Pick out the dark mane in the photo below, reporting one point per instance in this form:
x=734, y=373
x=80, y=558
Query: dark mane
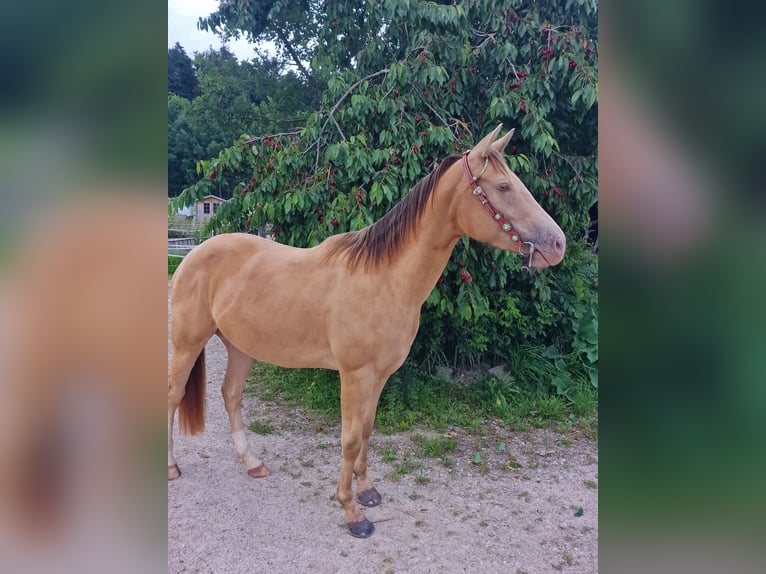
x=381, y=241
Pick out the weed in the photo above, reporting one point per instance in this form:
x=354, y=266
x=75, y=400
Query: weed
x=404, y=468
x=434, y=447
x=511, y=463
x=421, y=478
x=590, y=484
x=262, y=428
x=401, y=470
x=387, y=455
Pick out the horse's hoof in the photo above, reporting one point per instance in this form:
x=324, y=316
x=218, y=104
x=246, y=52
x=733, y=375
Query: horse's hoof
x=369, y=498
x=173, y=471
x=259, y=471
x=361, y=529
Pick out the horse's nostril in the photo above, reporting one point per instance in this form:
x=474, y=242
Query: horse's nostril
x=559, y=245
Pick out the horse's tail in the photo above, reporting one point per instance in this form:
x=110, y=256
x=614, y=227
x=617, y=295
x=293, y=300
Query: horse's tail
x=191, y=411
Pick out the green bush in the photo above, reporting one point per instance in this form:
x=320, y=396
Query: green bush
x=417, y=82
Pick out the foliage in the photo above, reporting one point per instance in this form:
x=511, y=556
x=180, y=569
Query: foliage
x=404, y=84
x=173, y=263
x=182, y=79
x=290, y=24
x=232, y=97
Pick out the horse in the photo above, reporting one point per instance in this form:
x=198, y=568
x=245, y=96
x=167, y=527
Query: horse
x=351, y=303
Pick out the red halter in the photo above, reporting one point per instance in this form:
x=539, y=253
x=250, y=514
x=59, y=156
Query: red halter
x=478, y=192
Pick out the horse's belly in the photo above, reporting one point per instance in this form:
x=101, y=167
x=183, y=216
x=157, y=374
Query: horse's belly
x=278, y=346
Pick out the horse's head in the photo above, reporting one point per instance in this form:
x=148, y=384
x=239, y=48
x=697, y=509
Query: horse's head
x=500, y=210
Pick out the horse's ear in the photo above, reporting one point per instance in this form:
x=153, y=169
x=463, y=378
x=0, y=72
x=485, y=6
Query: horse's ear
x=500, y=144
x=483, y=146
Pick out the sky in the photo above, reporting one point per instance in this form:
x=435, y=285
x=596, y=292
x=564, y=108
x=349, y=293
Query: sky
x=182, y=28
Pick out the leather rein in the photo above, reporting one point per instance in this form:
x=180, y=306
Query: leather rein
x=478, y=192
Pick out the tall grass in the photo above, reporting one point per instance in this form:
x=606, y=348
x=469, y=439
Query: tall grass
x=413, y=397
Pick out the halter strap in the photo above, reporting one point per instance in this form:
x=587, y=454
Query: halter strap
x=506, y=226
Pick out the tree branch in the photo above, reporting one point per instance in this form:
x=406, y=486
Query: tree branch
x=293, y=54
x=331, y=116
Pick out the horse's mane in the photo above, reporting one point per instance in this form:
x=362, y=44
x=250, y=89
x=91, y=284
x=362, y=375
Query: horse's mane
x=382, y=241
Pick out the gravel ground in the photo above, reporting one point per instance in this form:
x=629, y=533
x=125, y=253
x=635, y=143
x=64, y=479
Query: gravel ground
x=517, y=513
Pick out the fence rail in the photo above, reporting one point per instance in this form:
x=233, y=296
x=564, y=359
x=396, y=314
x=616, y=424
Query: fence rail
x=180, y=246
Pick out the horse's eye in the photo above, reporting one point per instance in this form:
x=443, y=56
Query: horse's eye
x=503, y=187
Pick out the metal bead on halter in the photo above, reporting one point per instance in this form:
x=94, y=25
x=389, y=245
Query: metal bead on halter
x=515, y=237
x=498, y=217
x=506, y=227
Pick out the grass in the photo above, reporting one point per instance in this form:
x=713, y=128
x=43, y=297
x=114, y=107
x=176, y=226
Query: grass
x=173, y=263
x=262, y=428
x=413, y=399
x=434, y=447
x=387, y=455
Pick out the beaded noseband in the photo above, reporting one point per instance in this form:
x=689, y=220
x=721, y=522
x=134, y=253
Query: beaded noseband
x=478, y=192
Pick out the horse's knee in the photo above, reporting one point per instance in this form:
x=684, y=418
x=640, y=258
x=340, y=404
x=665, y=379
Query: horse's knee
x=344, y=496
x=351, y=445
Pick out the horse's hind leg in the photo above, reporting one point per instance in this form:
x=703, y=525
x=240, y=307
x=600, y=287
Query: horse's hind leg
x=237, y=368
x=182, y=362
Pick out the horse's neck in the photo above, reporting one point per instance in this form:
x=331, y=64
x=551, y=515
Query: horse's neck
x=426, y=253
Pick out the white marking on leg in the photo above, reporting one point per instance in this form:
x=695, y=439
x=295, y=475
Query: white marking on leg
x=171, y=458
x=240, y=442
x=243, y=449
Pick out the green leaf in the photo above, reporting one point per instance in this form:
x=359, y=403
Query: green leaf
x=476, y=458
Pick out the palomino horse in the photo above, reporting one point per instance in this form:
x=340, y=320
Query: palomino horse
x=351, y=304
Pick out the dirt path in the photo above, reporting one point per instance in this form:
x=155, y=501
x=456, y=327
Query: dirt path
x=433, y=519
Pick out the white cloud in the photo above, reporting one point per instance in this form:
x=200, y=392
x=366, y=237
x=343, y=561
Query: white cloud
x=182, y=28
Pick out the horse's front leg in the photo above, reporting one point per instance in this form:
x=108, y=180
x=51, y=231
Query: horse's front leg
x=366, y=493
x=358, y=398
